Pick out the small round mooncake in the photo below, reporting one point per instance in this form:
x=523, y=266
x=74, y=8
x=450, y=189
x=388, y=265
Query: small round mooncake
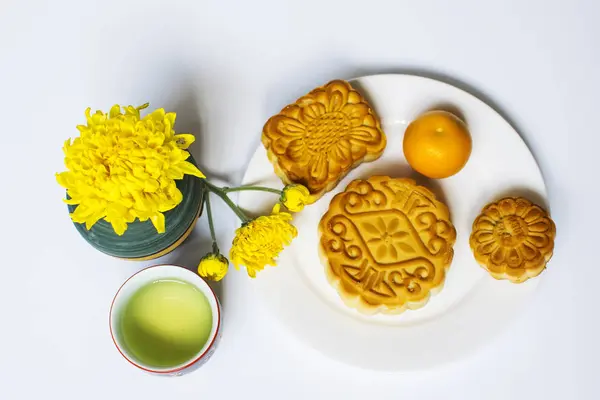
x=386, y=244
x=513, y=239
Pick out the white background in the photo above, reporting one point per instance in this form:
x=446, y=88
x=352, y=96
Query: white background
x=225, y=67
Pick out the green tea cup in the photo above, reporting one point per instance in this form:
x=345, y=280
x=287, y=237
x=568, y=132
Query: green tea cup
x=165, y=319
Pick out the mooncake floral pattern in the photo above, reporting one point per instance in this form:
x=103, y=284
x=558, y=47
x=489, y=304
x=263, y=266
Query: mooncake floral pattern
x=318, y=139
x=388, y=238
x=513, y=239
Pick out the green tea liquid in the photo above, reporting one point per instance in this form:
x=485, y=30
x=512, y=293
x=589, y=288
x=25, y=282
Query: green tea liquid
x=166, y=323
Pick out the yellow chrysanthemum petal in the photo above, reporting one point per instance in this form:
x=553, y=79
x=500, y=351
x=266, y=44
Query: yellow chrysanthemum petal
x=81, y=213
x=119, y=225
x=175, y=173
x=189, y=169
x=177, y=155
x=62, y=179
x=151, y=185
x=170, y=117
x=158, y=220
x=66, y=146
x=156, y=140
x=158, y=115
x=184, y=140
x=114, y=111
x=92, y=219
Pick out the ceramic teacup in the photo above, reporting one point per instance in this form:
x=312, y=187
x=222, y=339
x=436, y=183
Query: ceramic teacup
x=158, y=330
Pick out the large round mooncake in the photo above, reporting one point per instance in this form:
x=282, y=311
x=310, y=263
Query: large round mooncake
x=386, y=244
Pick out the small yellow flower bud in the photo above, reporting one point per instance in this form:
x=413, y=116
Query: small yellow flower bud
x=213, y=266
x=295, y=197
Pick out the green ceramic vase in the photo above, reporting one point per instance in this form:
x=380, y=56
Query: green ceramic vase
x=141, y=241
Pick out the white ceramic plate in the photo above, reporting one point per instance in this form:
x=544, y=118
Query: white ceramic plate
x=472, y=307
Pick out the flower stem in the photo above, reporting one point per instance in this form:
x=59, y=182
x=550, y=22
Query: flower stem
x=251, y=187
x=211, y=225
x=221, y=193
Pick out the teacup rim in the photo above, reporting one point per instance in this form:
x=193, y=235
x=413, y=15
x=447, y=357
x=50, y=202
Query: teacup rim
x=193, y=361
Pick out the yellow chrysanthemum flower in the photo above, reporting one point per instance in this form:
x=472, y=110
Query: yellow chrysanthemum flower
x=124, y=167
x=259, y=242
x=295, y=197
x=213, y=266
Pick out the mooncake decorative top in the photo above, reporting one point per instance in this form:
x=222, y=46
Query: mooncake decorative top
x=386, y=244
x=513, y=239
x=317, y=140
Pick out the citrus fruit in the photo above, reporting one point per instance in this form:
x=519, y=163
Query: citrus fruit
x=437, y=144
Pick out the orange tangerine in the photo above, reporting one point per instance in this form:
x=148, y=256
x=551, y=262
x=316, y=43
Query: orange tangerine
x=437, y=144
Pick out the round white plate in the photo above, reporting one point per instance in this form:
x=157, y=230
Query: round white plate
x=472, y=307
